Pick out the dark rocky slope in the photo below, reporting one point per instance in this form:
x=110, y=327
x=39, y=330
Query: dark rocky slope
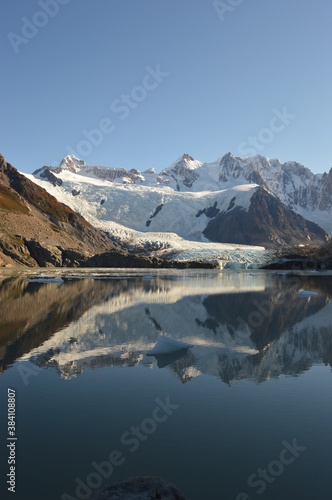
x=267, y=222
x=304, y=258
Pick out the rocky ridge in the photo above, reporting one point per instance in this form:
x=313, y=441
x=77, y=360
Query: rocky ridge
x=304, y=258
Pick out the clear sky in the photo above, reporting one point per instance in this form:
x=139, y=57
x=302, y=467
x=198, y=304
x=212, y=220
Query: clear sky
x=137, y=83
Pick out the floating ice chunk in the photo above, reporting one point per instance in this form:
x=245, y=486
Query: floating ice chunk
x=306, y=293
x=166, y=344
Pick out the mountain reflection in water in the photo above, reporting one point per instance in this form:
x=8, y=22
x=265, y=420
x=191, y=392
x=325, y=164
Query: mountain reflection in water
x=242, y=326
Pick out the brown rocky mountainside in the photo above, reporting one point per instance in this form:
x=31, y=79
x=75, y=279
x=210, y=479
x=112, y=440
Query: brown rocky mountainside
x=38, y=231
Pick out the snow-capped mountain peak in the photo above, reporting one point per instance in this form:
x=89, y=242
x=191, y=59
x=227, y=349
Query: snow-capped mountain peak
x=295, y=185
x=183, y=171
x=186, y=162
x=71, y=163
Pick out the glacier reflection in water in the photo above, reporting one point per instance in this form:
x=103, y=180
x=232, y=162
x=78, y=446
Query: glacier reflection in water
x=82, y=337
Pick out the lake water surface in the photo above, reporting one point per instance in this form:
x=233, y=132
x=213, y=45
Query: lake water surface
x=246, y=413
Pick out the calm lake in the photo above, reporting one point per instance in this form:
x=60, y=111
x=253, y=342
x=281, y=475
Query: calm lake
x=246, y=413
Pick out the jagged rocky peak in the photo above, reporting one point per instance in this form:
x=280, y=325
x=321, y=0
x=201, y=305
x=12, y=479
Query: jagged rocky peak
x=190, y=162
x=75, y=165
x=229, y=157
x=187, y=158
x=293, y=169
x=183, y=170
x=233, y=166
x=329, y=182
x=230, y=166
x=226, y=158
x=72, y=163
x=325, y=202
x=149, y=171
x=185, y=162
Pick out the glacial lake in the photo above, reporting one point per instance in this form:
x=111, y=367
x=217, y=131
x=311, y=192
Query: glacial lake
x=244, y=414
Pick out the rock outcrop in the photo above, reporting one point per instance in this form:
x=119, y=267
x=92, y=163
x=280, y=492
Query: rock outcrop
x=115, y=259
x=304, y=258
x=140, y=488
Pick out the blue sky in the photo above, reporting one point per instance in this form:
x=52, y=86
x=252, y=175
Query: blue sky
x=138, y=83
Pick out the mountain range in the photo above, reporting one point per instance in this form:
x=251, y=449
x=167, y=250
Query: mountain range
x=250, y=201
x=230, y=213
x=37, y=230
